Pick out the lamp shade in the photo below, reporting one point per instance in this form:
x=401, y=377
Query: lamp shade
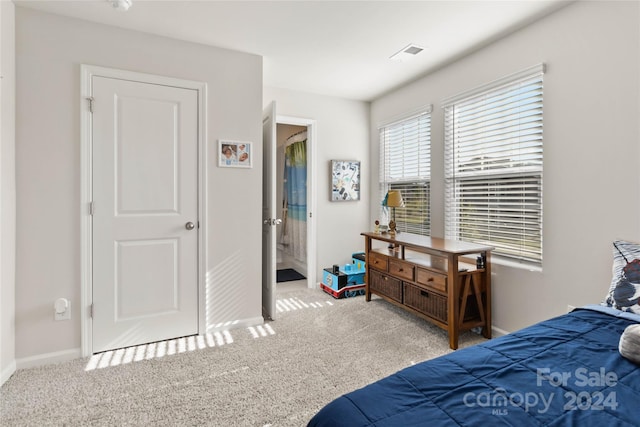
x=394, y=199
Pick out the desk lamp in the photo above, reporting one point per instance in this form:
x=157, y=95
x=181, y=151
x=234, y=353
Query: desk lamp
x=393, y=200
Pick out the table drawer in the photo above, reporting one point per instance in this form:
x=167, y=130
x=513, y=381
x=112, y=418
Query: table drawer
x=432, y=280
x=429, y=303
x=401, y=269
x=385, y=285
x=379, y=261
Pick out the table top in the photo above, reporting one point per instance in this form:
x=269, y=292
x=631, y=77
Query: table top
x=427, y=242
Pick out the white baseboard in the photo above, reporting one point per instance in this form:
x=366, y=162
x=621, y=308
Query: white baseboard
x=48, y=358
x=76, y=353
x=7, y=372
x=497, y=332
x=237, y=324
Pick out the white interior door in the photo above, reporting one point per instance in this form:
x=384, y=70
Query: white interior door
x=145, y=212
x=269, y=212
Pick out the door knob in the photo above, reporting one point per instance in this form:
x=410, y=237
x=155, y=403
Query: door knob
x=189, y=226
x=272, y=221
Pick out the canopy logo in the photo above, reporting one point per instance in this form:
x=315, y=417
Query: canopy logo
x=596, y=396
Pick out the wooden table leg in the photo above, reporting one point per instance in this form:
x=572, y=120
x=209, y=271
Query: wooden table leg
x=367, y=249
x=466, y=286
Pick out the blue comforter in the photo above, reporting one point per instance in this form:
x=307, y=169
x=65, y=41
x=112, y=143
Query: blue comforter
x=565, y=371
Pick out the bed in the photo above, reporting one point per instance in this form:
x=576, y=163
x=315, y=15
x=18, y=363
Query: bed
x=578, y=369
x=563, y=371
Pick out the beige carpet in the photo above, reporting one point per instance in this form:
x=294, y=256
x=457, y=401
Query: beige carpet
x=279, y=374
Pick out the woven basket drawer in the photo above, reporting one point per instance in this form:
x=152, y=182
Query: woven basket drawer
x=385, y=285
x=429, y=303
x=378, y=261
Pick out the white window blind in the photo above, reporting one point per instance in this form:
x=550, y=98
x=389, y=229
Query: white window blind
x=493, y=166
x=405, y=165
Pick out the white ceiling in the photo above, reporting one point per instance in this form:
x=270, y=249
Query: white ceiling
x=336, y=48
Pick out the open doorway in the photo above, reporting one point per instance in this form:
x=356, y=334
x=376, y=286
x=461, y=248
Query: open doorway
x=294, y=251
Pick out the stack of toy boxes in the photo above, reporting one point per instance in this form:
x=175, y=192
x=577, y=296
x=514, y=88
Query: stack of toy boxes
x=358, y=259
x=355, y=270
x=348, y=277
x=333, y=279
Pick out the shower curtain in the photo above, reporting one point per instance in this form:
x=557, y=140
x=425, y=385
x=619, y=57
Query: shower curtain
x=294, y=229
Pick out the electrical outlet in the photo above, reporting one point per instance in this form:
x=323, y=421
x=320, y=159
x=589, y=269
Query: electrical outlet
x=65, y=315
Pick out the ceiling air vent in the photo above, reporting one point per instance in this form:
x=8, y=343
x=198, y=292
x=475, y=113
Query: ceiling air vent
x=406, y=53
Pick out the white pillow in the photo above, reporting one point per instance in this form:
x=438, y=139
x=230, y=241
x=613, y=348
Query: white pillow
x=630, y=343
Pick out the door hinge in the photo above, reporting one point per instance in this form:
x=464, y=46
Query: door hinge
x=91, y=208
x=90, y=99
x=91, y=310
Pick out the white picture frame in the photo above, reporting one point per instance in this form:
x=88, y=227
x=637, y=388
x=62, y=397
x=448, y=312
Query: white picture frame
x=235, y=154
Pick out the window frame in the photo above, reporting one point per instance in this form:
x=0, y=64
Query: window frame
x=503, y=159
x=414, y=175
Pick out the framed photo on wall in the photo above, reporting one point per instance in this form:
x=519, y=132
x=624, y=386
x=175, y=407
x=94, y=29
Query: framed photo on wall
x=234, y=154
x=345, y=180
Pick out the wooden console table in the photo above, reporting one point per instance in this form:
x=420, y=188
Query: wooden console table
x=436, y=279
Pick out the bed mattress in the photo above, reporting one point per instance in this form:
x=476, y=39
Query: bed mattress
x=565, y=371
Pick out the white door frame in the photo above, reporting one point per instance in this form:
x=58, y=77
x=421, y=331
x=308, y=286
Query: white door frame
x=86, y=196
x=311, y=191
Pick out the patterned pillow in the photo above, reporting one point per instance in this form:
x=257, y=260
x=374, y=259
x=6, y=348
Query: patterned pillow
x=624, y=292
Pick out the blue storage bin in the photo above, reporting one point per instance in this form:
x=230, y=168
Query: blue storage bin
x=355, y=275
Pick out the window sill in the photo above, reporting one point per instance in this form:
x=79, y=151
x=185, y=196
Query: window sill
x=507, y=262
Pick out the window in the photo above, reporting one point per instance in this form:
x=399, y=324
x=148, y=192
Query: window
x=405, y=165
x=493, y=166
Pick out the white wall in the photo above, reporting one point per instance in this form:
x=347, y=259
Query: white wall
x=50, y=50
x=591, y=143
x=342, y=133
x=7, y=191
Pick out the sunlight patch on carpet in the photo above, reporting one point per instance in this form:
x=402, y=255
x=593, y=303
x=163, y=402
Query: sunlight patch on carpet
x=291, y=304
x=156, y=350
x=261, y=331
